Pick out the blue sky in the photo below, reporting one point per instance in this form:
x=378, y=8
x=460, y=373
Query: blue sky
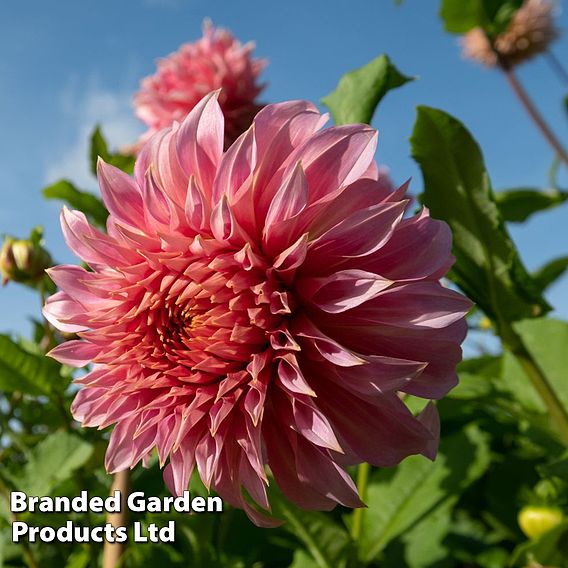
x=69, y=64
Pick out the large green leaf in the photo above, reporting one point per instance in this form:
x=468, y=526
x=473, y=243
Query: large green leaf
x=400, y=498
x=517, y=205
x=26, y=372
x=424, y=545
x=86, y=202
x=550, y=272
x=457, y=190
x=547, y=341
x=53, y=461
x=360, y=91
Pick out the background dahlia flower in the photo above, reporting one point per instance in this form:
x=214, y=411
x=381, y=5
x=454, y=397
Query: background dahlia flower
x=216, y=61
x=530, y=32
x=262, y=306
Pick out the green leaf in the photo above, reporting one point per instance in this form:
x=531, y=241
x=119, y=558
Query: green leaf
x=546, y=339
x=556, y=468
x=99, y=148
x=360, y=91
x=53, y=461
x=460, y=16
x=424, y=543
x=476, y=378
x=86, y=202
x=79, y=559
x=26, y=372
x=551, y=548
x=517, y=205
x=400, y=498
x=457, y=190
x=302, y=560
x=550, y=272
x=327, y=542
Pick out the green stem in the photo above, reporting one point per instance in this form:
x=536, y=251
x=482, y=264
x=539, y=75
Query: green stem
x=362, y=480
x=535, y=115
x=558, y=414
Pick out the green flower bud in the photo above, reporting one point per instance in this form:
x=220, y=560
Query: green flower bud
x=24, y=260
x=535, y=521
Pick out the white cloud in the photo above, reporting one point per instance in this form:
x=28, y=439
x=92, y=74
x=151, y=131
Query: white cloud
x=82, y=109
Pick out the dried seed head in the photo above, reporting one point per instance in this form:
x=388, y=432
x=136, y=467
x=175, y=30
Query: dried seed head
x=530, y=32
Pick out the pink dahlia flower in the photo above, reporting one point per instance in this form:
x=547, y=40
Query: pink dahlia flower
x=216, y=61
x=259, y=307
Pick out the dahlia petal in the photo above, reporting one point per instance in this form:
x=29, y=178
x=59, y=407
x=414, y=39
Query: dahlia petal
x=336, y=156
x=223, y=223
x=360, y=234
x=289, y=260
x=419, y=248
x=331, y=350
x=430, y=418
x=312, y=424
x=378, y=375
x=157, y=210
x=290, y=376
x=169, y=172
x=178, y=472
x=282, y=461
x=279, y=128
x=200, y=141
x=60, y=309
x=437, y=307
x=324, y=475
x=255, y=486
x=89, y=244
x=236, y=167
x=342, y=290
x=382, y=433
x=75, y=353
x=83, y=402
x=118, y=189
x=197, y=209
x=120, y=450
x=290, y=199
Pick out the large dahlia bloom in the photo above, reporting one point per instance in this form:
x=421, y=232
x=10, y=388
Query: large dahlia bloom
x=263, y=306
x=216, y=61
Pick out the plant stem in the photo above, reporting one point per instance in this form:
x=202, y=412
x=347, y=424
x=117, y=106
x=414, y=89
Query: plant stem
x=113, y=551
x=556, y=409
x=532, y=111
x=362, y=479
x=557, y=66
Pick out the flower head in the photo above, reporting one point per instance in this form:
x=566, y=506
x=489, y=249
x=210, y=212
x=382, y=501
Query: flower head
x=216, y=61
x=530, y=32
x=260, y=306
x=24, y=260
